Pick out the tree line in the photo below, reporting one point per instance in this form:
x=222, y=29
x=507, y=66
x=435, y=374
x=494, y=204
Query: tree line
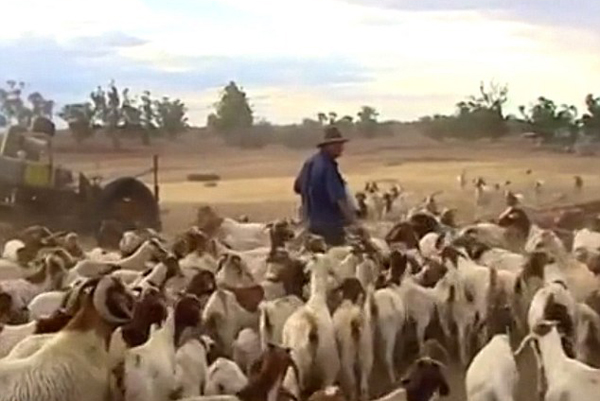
x=117, y=113
x=481, y=116
x=120, y=115
x=233, y=119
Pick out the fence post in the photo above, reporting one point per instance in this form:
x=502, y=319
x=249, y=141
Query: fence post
x=155, y=173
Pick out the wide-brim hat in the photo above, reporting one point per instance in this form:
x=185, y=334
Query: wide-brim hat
x=332, y=135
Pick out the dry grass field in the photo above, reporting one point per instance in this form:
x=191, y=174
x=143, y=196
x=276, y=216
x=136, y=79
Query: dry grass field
x=258, y=182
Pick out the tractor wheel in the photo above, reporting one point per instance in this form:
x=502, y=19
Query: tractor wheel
x=130, y=202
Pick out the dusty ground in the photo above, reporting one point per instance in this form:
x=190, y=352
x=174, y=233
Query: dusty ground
x=258, y=182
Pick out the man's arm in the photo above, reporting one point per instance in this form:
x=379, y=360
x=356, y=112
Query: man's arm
x=299, y=180
x=347, y=211
x=337, y=194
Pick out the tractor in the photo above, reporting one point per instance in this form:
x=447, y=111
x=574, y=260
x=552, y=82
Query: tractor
x=35, y=191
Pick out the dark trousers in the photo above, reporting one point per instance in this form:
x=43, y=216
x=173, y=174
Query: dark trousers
x=334, y=235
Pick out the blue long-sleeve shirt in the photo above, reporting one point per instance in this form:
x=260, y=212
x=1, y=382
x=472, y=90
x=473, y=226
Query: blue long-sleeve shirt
x=321, y=186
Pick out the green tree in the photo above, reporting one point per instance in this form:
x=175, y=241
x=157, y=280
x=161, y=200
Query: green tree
x=549, y=121
x=107, y=111
x=79, y=117
x=113, y=114
x=322, y=118
x=148, y=114
x=131, y=118
x=40, y=107
x=480, y=116
x=14, y=110
x=345, y=124
x=147, y=117
x=100, y=106
x=332, y=117
x=367, y=121
x=438, y=127
x=347, y=119
x=591, y=120
x=305, y=135
x=171, y=116
x=233, y=112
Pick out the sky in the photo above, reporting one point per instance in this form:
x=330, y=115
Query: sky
x=295, y=58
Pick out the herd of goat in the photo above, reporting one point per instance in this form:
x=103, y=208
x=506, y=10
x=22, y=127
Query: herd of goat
x=234, y=310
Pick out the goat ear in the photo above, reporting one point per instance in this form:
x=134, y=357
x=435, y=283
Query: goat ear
x=518, y=289
x=5, y=303
x=451, y=294
x=469, y=296
x=444, y=389
x=176, y=394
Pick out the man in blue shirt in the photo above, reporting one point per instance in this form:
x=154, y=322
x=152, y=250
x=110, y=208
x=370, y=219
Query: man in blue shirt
x=325, y=206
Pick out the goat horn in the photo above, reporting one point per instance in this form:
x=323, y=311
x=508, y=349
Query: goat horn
x=525, y=341
x=434, y=361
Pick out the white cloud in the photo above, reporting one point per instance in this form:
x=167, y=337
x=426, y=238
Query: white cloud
x=298, y=57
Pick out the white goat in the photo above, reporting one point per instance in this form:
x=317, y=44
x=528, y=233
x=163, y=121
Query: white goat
x=45, y=304
x=586, y=246
x=243, y=236
x=136, y=262
x=310, y=334
x=273, y=315
x=226, y=318
x=29, y=346
x=101, y=255
x=194, y=262
x=588, y=329
x=431, y=244
x=11, y=270
x=375, y=205
x=133, y=239
x=150, y=368
x=354, y=330
x=471, y=284
x=48, y=277
x=11, y=249
x=499, y=383
x=73, y=364
x=567, y=379
x=390, y=318
x=224, y=377
x=11, y=335
x=500, y=259
x=192, y=366
x=232, y=271
x=576, y=275
x=487, y=233
x=246, y=349
x=484, y=197
x=395, y=206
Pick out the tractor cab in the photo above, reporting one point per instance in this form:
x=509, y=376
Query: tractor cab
x=26, y=160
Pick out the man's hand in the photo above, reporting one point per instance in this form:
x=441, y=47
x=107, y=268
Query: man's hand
x=348, y=212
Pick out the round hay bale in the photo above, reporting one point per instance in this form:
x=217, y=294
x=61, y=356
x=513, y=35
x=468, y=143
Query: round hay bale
x=210, y=184
x=203, y=177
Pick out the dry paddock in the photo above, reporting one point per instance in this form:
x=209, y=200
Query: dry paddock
x=258, y=183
